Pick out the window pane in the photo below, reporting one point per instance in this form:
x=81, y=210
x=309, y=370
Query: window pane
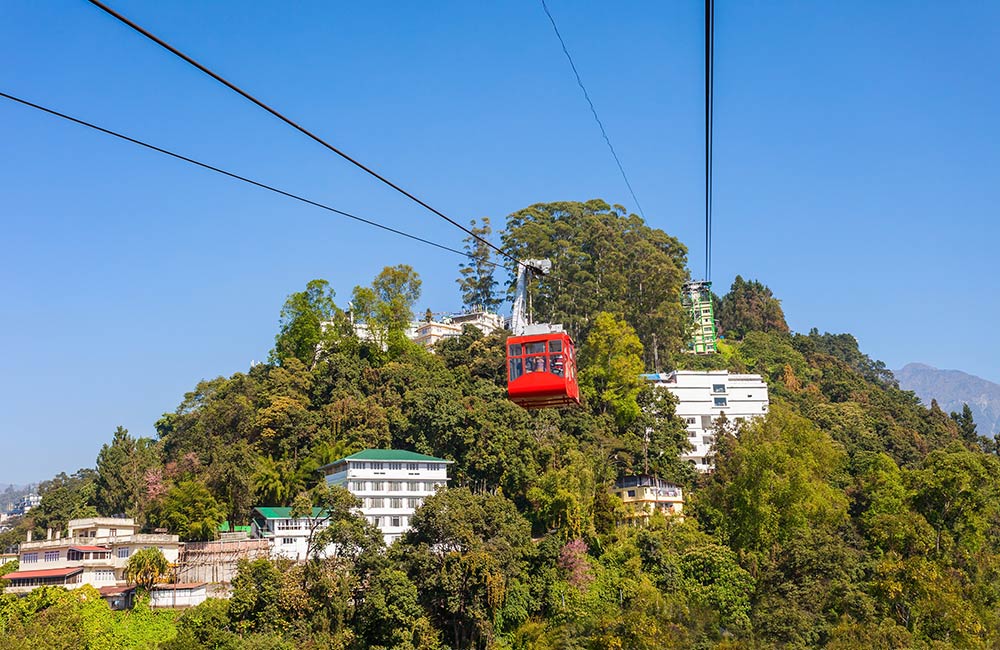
x=555, y=346
x=538, y=347
x=516, y=368
x=514, y=350
x=535, y=364
x=556, y=364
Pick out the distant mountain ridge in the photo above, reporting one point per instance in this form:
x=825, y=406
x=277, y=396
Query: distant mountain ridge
x=951, y=389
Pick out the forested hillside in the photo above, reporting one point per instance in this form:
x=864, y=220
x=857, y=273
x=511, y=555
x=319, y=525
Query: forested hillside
x=851, y=516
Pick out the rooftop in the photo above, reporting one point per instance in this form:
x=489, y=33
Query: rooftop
x=284, y=513
x=389, y=455
x=643, y=480
x=44, y=573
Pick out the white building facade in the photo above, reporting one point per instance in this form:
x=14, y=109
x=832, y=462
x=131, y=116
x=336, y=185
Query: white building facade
x=703, y=396
x=94, y=551
x=391, y=484
x=288, y=536
x=430, y=332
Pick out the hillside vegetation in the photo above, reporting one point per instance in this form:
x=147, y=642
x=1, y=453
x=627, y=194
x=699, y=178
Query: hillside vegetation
x=851, y=516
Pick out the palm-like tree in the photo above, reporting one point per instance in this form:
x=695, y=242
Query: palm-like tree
x=146, y=567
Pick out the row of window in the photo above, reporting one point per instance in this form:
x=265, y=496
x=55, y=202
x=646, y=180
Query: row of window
x=73, y=555
x=395, y=502
x=412, y=467
x=388, y=522
x=104, y=575
x=395, y=486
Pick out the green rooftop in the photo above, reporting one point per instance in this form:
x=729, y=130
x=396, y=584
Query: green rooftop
x=283, y=513
x=390, y=455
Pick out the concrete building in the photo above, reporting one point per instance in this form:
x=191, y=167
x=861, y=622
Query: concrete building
x=288, y=536
x=181, y=594
x=25, y=504
x=391, y=484
x=93, y=552
x=703, y=396
x=430, y=332
x=643, y=495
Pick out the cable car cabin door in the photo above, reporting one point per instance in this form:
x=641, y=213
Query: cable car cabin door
x=541, y=371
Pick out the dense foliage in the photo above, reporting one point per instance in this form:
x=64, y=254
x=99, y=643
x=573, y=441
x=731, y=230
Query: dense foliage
x=851, y=516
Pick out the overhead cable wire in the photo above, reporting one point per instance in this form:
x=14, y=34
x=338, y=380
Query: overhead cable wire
x=593, y=110
x=238, y=177
x=296, y=126
x=709, y=117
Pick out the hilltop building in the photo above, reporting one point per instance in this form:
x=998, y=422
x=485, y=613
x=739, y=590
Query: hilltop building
x=430, y=332
x=427, y=333
x=94, y=551
x=644, y=494
x=24, y=505
x=697, y=299
x=288, y=536
x=391, y=484
x=703, y=396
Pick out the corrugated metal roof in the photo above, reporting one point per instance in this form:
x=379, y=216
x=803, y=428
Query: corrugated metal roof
x=269, y=512
x=389, y=455
x=179, y=585
x=45, y=573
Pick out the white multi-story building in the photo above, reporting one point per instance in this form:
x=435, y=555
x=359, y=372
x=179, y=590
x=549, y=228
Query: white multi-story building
x=391, y=484
x=703, y=396
x=430, y=332
x=93, y=552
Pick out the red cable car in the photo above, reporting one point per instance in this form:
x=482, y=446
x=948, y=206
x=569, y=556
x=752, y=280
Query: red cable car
x=541, y=359
x=541, y=371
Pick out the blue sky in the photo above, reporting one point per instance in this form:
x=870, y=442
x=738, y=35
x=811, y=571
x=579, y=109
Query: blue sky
x=855, y=156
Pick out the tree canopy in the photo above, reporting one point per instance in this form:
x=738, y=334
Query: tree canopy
x=850, y=515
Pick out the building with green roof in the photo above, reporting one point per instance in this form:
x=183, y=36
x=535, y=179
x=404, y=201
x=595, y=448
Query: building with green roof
x=391, y=483
x=288, y=535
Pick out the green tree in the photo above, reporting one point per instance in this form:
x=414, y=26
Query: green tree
x=256, y=603
x=466, y=553
x=386, y=306
x=750, y=307
x=189, y=510
x=610, y=368
x=146, y=567
x=121, y=471
x=308, y=318
x=967, y=428
x=774, y=482
x=477, y=283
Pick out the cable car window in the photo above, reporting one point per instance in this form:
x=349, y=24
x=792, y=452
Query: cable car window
x=516, y=368
x=555, y=346
x=515, y=350
x=556, y=364
x=535, y=364
x=538, y=347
